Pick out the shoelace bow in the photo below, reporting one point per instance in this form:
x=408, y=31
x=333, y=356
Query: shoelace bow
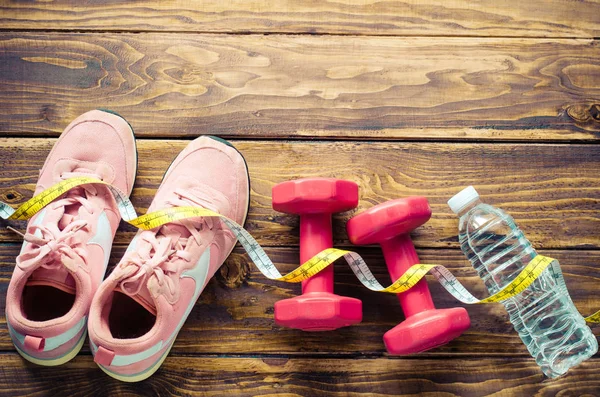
x=56, y=249
x=137, y=271
x=53, y=245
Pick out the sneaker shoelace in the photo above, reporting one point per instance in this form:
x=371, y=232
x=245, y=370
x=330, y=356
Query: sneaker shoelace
x=156, y=268
x=55, y=249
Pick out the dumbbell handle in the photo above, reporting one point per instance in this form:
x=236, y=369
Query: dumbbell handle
x=315, y=236
x=399, y=253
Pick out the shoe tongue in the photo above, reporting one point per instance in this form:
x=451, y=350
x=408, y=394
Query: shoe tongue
x=72, y=211
x=144, y=248
x=58, y=277
x=174, y=231
x=60, y=218
x=66, y=220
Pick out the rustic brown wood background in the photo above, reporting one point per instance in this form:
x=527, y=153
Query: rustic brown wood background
x=413, y=97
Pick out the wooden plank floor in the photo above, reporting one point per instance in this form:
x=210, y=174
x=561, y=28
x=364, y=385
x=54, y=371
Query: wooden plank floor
x=404, y=98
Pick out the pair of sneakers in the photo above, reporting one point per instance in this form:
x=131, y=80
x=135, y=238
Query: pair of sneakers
x=57, y=293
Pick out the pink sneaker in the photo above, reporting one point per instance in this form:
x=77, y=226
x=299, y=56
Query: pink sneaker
x=140, y=308
x=68, y=243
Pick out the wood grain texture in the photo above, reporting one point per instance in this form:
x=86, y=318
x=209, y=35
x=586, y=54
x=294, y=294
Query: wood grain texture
x=361, y=81
x=211, y=376
x=546, y=18
x=239, y=300
x=552, y=191
x=182, y=85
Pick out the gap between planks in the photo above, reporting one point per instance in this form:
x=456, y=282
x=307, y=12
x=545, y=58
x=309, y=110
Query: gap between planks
x=284, y=33
x=305, y=139
x=333, y=139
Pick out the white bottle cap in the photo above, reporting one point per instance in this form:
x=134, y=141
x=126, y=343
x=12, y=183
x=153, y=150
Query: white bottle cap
x=462, y=199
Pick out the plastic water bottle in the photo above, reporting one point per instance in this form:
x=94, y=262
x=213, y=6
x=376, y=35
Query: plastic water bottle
x=554, y=332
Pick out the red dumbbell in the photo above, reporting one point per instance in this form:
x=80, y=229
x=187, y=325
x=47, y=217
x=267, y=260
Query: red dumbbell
x=389, y=225
x=315, y=199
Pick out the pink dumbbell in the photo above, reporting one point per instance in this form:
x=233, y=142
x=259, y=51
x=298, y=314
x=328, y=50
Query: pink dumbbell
x=389, y=225
x=315, y=199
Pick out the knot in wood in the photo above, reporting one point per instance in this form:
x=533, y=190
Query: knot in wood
x=584, y=113
x=11, y=196
x=234, y=272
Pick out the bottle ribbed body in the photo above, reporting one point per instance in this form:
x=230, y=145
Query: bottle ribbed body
x=544, y=316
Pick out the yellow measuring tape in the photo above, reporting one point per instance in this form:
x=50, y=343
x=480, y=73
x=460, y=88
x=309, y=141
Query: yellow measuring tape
x=308, y=269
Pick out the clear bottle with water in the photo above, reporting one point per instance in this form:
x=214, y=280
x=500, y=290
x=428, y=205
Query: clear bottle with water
x=554, y=332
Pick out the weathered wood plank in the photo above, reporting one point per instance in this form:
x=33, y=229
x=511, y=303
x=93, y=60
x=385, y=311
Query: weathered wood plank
x=212, y=376
x=546, y=18
x=180, y=85
x=239, y=300
x=553, y=191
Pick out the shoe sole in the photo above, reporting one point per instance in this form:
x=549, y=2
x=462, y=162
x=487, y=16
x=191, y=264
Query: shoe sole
x=57, y=361
x=143, y=375
x=150, y=371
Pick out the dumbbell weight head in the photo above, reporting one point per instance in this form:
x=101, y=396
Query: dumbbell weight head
x=315, y=196
x=389, y=224
x=388, y=220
